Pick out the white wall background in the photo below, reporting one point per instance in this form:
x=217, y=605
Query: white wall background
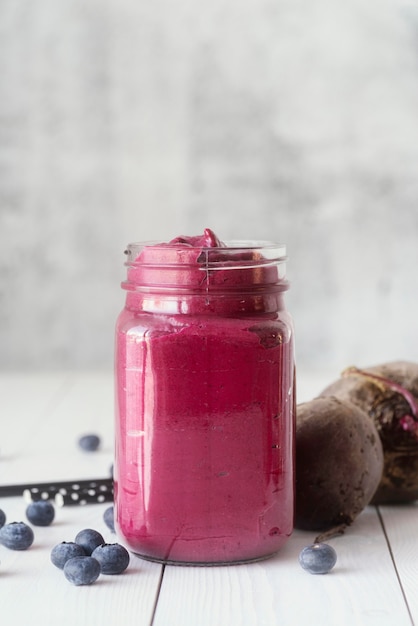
x=293, y=120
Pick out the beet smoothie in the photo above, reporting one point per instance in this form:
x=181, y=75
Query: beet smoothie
x=204, y=402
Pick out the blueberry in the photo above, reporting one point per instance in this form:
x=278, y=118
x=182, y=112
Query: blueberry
x=40, y=513
x=82, y=570
x=89, y=442
x=89, y=539
x=16, y=536
x=2, y=518
x=113, y=558
x=108, y=517
x=318, y=558
x=64, y=551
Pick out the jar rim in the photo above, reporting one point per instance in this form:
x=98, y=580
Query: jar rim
x=234, y=267
x=269, y=250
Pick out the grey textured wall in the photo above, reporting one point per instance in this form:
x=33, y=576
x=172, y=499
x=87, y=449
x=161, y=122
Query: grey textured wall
x=292, y=120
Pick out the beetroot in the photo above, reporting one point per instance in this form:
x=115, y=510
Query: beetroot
x=339, y=463
x=388, y=393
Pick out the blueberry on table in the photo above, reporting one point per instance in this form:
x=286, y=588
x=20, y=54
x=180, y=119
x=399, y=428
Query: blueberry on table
x=113, y=558
x=16, y=536
x=89, y=539
x=64, y=551
x=40, y=513
x=109, y=519
x=318, y=558
x=2, y=518
x=82, y=570
x=90, y=443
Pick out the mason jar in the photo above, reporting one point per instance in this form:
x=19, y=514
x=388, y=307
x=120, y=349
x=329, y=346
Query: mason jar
x=204, y=369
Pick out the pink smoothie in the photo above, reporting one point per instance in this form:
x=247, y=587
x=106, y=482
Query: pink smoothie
x=204, y=411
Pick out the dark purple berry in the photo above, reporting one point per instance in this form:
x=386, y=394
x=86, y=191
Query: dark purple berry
x=64, y=551
x=82, y=570
x=113, y=558
x=16, y=536
x=89, y=539
x=40, y=513
x=318, y=558
x=108, y=517
x=90, y=443
x=2, y=518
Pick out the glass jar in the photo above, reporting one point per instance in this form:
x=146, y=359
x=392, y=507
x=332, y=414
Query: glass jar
x=204, y=457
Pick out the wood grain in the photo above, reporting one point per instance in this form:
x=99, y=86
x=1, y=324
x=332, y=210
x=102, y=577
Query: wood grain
x=362, y=589
x=376, y=568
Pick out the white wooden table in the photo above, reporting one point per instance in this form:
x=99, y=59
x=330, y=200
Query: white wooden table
x=375, y=580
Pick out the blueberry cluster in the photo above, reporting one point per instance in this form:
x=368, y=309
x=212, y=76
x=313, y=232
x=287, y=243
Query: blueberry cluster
x=83, y=559
x=88, y=556
x=19, y=535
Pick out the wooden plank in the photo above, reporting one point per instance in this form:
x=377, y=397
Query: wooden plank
x=49, y=413
x=25, y=403
x=401, y=523
x=35, y=591
x=362, y=589
x=24, y=400
x=46, y=415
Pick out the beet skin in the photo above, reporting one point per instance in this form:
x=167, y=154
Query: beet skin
x=339, y=463
x=388, y=393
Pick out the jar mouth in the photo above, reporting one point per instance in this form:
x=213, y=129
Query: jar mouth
x=243, y=252
x=237, y=268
